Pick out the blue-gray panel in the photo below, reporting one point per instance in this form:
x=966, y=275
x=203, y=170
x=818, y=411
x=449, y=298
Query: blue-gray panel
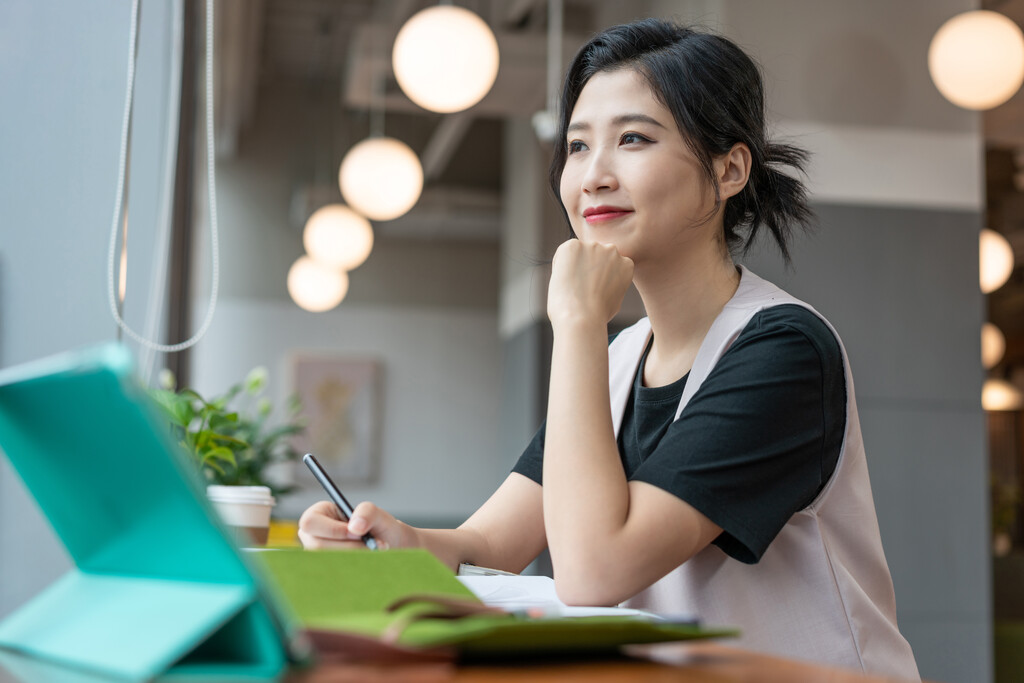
x=929, y=478
x=901, y=286
x=941, y=653
x=928, y=474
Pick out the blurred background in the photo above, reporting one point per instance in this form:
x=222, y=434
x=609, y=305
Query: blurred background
x=440, y=337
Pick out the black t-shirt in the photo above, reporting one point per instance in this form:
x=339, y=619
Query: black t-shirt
x=755, y=444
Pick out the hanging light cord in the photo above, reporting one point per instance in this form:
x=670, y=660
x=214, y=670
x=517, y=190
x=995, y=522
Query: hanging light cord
x=121, y=181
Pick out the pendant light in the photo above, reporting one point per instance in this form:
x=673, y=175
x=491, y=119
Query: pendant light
x=999, y=394
x=445, y=58
x=338, y=237
x=316, y=287
x=993, y=345
x=976, y=59
x=995, y=256
x=381, y=178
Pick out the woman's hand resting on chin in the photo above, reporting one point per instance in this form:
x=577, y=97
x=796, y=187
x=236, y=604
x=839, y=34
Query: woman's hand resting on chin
x=588, y=282
x=322, y=526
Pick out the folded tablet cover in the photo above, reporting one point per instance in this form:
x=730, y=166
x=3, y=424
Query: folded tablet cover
x=158, y=585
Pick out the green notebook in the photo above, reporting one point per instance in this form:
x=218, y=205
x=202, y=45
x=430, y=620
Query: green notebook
x=159, y=587
x=348, y=591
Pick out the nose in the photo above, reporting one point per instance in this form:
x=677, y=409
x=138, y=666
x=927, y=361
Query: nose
x=599, y=174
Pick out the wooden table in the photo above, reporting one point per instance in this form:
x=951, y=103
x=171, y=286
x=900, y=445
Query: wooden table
x=703, y=662
x=672, y=663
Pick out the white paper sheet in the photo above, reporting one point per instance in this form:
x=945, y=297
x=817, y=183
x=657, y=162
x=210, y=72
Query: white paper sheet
x=536, y=594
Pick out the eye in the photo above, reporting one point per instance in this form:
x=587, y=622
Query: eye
x=576, y=146
x=632, y=138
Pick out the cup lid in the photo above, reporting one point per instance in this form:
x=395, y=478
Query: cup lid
x=240, y=494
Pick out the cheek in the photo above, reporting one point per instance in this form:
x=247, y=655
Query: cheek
x=566, y=191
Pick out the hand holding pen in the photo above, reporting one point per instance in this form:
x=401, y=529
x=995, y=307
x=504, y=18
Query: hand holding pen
x=344, y=507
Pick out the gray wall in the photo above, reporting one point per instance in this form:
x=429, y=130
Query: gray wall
x=62, y=73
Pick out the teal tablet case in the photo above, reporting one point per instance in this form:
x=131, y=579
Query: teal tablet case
x=159, y=587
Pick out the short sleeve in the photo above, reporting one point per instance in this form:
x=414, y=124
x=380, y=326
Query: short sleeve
x=531, y=462
x=762, y=435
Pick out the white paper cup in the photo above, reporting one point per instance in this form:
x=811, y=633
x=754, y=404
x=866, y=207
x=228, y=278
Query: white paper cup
x=247, y=508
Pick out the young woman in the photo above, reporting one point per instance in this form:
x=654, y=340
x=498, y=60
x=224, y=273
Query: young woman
x=709, y=459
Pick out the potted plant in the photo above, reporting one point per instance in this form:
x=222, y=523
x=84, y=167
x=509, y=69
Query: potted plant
x=235, y=446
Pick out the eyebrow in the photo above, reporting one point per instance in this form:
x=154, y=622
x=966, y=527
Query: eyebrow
x=618, y=120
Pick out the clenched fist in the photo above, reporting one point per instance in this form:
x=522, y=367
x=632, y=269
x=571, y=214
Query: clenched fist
x=588, y=282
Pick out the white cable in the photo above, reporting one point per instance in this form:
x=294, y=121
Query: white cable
x=157, y=286
x=211, y=182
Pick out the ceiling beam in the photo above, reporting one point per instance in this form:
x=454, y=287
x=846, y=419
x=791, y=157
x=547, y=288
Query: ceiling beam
x=519, y=89
x=517, y=11
x=443, y=143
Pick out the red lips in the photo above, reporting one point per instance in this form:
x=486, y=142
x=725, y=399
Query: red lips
x=598, y=214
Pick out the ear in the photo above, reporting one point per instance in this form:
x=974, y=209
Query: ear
x=733, y=170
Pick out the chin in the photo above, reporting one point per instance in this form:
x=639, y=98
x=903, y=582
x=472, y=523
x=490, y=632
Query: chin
x=620, y=242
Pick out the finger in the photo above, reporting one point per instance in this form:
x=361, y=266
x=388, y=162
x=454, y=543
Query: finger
x=322, y=520
x=629, y=266
x=328, y=509
x=367, y=518
x=311, y=542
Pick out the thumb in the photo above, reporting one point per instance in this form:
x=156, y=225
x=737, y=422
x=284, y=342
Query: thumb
x=368, y=518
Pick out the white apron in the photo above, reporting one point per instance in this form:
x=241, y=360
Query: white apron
x=822, y=590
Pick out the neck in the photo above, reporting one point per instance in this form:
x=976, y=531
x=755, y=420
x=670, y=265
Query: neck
x=683, y=299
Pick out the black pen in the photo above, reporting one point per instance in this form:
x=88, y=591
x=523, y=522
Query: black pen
x=335, y=494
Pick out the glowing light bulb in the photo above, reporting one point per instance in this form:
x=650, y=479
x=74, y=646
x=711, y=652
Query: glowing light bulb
x=976, y=59
x=995, y=260
x=445, y=58
x=316, y=287
x=338, y=237
x=998, y=394
x=381, y=178
x=993, y=345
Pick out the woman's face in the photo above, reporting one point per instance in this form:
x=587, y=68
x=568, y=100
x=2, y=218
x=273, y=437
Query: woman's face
x=629, y=177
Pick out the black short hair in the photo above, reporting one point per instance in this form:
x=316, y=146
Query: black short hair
x=716, y=95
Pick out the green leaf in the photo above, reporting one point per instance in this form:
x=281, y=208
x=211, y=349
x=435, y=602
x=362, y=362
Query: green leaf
x=183, y=412
x=212, y=465
x=225, y=438
x=177, y=409
x=222, y=453
x=219, y=421
x=264, y=407
x=203, y=439
x=256, y=380
x=164, y=400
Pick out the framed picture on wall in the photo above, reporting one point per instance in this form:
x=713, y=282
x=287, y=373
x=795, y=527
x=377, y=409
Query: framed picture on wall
x=341, y=405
